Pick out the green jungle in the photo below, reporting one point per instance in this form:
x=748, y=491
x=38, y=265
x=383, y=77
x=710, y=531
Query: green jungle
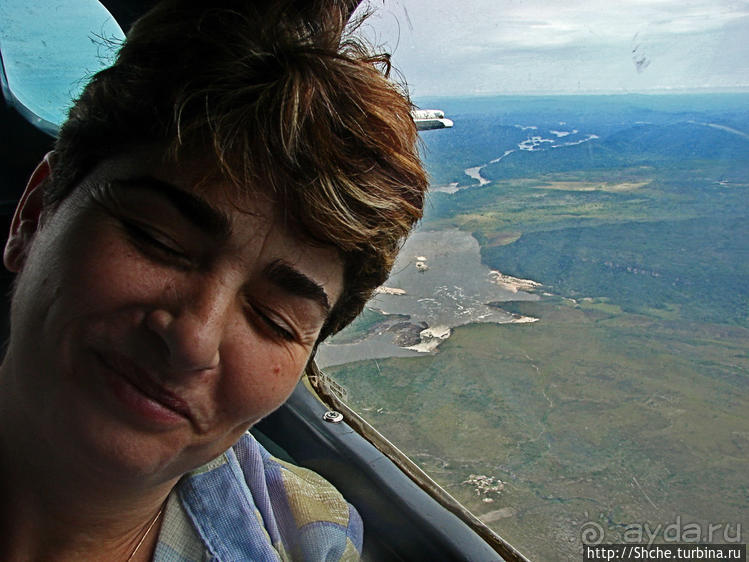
x=625, y=408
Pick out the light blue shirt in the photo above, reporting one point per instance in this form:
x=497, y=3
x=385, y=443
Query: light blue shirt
x=247, y=505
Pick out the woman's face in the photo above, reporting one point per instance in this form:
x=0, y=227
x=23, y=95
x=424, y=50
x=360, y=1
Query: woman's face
x=156, y=317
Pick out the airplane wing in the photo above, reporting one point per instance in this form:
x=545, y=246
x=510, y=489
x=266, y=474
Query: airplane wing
x=427, y=119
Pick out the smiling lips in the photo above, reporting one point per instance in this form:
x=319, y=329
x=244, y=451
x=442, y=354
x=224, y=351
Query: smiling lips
x=145, y=384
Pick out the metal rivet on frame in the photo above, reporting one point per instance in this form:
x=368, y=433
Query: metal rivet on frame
x=332, y=416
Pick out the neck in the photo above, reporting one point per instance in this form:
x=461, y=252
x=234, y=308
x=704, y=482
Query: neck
x=48, y=523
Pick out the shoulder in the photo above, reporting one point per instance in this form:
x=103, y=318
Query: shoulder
x=247, y=497
x=311, y=515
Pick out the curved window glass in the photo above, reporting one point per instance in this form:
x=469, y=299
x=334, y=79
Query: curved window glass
x=49, y=49
x=563, y=342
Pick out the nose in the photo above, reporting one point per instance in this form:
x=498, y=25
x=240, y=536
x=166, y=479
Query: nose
x=191, y=327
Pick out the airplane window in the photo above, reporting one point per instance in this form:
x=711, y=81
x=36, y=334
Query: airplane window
x=562, y=344
x=50, y=48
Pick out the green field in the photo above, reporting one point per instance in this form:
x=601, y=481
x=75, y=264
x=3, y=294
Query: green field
x=627, y=403
x=668, y=238
x=614, y=418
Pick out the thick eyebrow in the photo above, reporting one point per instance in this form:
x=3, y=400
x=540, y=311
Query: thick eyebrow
x=196, y=210
x=297, y=283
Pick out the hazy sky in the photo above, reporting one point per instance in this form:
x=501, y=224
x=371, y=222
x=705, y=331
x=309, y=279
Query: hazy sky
x=453, y=47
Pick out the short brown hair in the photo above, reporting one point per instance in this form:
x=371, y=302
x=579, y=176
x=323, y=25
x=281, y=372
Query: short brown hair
x=282, y=96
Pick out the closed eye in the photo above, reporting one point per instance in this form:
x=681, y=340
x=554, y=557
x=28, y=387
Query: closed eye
x=149, y=239
x=156, y=244
x=277, y=327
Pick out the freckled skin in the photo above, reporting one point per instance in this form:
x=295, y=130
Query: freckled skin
x=93, y=300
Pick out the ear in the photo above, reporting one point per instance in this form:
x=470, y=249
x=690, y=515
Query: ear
x=26, y=219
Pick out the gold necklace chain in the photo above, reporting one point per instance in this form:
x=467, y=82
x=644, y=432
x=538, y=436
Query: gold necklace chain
x=143, y=538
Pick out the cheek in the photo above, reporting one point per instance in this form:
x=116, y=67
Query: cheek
x=105, y=272
x=92, y=286
x=59, y=278
x=259, y=378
